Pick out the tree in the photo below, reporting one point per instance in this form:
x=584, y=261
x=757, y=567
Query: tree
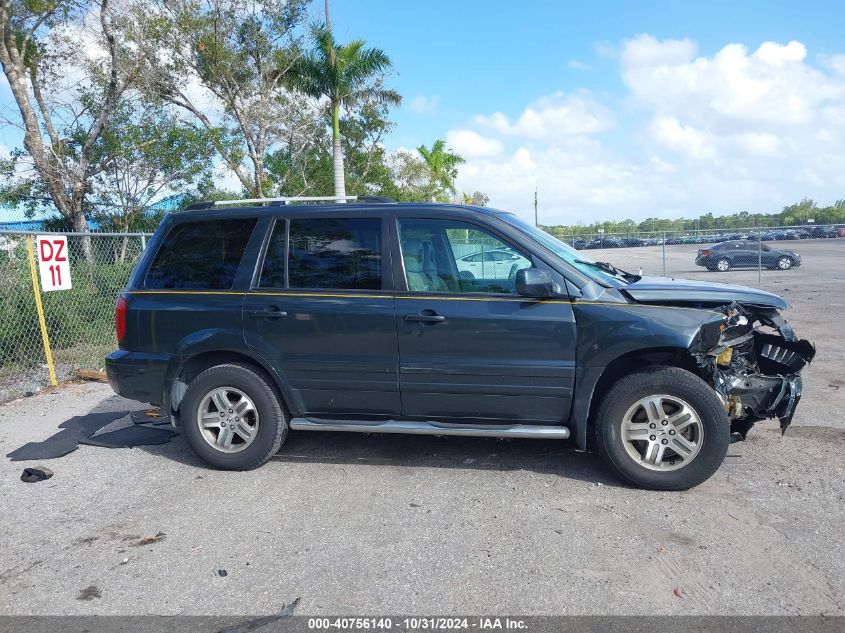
x=362, y=134
x=148, y=153
x=411, y=179
x=225, y=65
x=345, y=75
x=477, y=198
x=40, y=44
x=442, y=163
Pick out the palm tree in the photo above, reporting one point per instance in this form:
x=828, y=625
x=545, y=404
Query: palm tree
x=344, y=74
x=442, y=163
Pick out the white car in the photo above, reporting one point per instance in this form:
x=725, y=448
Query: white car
x=496, y=263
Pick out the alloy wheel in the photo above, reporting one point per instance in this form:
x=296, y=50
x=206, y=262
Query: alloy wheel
x=227, y=419
x=662, y=432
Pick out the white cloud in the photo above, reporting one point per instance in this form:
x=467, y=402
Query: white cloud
x=556, y=116
x=470, y=144
x=736, y=129
x=684, y=139
x=645, y=50
x=577, y=64
x=776, y=54
x=836, y=63
x=733, y=88
x=422, y=104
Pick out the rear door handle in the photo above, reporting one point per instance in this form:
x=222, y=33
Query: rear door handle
x=267, y=313
x=425, y=318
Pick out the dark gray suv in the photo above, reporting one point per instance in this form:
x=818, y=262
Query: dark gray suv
x=247, y=321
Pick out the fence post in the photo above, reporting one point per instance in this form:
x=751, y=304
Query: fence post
x=36, y=292
x=760, y=258
x=664, y=253
x=143, y=242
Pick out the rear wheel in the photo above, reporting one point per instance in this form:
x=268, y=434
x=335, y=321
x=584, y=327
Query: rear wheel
x=663, y=428
x=723, y=265
x=785, y=263
x=232, y=417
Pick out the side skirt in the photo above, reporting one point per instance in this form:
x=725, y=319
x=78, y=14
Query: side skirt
x=432, y=428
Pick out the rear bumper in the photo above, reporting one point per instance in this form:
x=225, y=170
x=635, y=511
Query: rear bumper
x=138, y=375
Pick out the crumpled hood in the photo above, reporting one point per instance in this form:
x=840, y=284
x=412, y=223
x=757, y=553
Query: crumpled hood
x=672, y=291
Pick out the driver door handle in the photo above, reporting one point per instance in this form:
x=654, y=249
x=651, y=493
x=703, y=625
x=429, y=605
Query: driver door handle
x=425, y=318
x=267, y=313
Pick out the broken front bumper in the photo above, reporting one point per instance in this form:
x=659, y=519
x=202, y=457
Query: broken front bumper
x=755, y=371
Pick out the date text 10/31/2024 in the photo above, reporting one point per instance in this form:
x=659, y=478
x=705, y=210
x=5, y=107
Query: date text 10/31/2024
x=418, y=623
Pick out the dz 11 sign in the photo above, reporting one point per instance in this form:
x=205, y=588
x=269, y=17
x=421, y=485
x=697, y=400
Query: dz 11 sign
x=53, y=262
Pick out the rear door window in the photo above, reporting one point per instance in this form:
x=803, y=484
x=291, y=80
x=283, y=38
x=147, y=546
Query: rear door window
x=325, y=253
x=202, y=255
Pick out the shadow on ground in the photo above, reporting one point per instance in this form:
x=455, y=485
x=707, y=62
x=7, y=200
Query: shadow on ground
x=546, y=457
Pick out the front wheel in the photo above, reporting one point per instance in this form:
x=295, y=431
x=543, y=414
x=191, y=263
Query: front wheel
x=662, y=428
x=232, y=417
x=785, y=263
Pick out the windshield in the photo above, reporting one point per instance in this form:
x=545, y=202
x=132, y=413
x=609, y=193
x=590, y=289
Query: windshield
x=576, y=259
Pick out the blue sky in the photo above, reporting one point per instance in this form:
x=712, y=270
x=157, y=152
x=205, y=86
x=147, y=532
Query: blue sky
x=571, y=96
x=496, y=55
x=615, y=109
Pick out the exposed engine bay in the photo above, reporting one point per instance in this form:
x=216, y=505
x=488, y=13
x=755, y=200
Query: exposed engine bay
x=753, y=361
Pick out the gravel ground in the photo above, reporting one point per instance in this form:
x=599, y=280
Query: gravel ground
x=401, y=524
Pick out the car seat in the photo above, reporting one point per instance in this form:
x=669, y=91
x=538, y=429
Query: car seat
x=413, y=252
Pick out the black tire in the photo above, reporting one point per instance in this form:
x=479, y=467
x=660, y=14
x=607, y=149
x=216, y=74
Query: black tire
x=272, y=421
x=784, y=262
x=723, y=264
x=671, y=381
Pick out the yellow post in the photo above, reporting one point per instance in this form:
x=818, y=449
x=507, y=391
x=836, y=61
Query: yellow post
x=36, y=292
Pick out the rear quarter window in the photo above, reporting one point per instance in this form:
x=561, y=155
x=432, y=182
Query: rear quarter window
x=201, y=255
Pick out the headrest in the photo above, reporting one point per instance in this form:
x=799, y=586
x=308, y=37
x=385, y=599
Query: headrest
x=414, y=255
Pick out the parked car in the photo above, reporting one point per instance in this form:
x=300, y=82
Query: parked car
x=605, y=242
x=489, y=264
x=245, y=322
x=743, y=254
x=824, y=232
x=632, y=242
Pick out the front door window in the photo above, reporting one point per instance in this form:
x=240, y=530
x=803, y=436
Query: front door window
x=458, y=257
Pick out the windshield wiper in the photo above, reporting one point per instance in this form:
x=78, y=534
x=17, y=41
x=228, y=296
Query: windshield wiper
x=611, y=270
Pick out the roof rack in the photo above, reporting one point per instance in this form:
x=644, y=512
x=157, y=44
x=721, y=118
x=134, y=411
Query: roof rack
x=198, y=206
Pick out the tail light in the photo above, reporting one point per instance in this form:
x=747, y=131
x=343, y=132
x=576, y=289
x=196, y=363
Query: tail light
x=704, y=252
x=120, y=318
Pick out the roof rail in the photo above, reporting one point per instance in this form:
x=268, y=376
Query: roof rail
x=199, y=206
x=289, y=200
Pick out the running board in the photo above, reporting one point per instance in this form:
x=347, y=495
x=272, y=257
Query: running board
x=432, y=428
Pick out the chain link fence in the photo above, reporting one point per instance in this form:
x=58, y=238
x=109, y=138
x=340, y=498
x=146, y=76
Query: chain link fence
x=760, y=250
x=79, y=321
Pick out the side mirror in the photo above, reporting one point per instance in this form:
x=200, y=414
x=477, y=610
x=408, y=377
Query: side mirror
x=533, y=282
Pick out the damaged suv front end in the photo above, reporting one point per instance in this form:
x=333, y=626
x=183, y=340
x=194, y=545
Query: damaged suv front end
x=754, y=362
x=745, y=349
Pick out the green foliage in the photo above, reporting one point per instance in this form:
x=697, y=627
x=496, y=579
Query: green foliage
x=145, y=153
x=442, y=164
x=345, y=74
x=241, y=52
x=81, y=318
